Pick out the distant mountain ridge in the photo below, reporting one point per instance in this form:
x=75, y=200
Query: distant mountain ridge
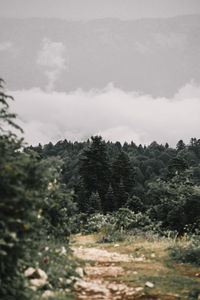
x=154, y=56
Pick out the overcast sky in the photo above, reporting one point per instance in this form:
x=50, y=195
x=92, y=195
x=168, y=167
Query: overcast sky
x=91, y=9
x=118, y=115
x=113, y=113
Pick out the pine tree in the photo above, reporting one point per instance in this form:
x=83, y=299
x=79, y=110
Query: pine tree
x=180, y=145
x=94, y=170
x=111, y=203
x=122, y=178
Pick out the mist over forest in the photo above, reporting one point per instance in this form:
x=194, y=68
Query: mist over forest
x=99, y=155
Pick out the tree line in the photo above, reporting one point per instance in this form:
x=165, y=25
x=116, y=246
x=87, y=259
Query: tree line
x=157, y=179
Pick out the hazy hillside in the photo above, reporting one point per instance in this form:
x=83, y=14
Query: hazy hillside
x=155, y=56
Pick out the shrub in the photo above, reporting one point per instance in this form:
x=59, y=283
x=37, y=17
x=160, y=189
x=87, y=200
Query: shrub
x=127, y=219
x=187, y=254
x=95, y=223
x=58, y=207
x=32, y=203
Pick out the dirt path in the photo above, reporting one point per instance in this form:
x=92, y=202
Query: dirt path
x=101, y=278
x=138, y=270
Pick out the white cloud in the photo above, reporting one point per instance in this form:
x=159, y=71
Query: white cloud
x=52, y=57
x=113, y=113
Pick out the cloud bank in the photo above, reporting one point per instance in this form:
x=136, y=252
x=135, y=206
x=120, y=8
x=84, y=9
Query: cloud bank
x=113, y=113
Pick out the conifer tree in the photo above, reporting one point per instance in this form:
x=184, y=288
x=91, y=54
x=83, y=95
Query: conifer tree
x=122, y=178
x=94, y=170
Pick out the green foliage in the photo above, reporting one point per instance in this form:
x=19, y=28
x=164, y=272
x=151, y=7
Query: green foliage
x=135, y=204
x=149, y=179
x=95, y=223
x=176, y=203
x=127, y=220
x=32, y=203
x=113, y=237
x=188, y=253
x=177, y=165
x=94, y=169
x=58, y=206
x=5, y=116
x=121, y=220
x=122, y=178
x=22, y=188
x=55, y=258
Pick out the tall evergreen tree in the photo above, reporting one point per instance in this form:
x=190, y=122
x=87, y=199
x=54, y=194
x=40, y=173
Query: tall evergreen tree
x=94, y=170
x=122, y=178
x=180, y=145
x=111, y=203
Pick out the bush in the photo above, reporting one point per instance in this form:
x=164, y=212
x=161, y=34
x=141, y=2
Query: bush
x=176, y=203
x=128, y=220
x=94, y=223
x=187, y=254
x=58, y=207
x=32, y=204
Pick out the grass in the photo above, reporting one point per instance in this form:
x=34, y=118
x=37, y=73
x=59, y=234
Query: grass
x=171, y=280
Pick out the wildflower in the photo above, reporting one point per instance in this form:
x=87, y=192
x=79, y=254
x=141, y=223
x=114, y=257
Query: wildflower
x=44, y=248
x=46, y=260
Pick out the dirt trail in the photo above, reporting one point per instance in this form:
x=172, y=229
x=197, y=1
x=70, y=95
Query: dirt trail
x=100, y=280
x=144, y=272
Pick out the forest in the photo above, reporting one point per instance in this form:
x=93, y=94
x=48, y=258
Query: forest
x=155, y=180
x=51, y=192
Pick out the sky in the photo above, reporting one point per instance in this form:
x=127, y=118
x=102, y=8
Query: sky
x=49, y=115
x=92, y=9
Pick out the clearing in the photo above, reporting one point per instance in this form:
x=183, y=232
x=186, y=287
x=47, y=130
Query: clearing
x=133, y=269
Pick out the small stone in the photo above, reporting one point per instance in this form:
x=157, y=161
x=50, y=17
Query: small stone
x=47, y=294
x=135, y=272
x=42, y=274
x=138, y=259
x=29, y=272
x=68, y=281
x=80, y=271
x=153, y=255
x=149, y=284
x=116, y=245
x=138, y=289
x=35, y=273
x=113, y=287
x=38, y=282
